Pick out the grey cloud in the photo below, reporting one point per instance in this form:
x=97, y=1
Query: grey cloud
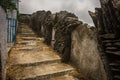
x=81, y=13
x=95, y=3
x=79, y=7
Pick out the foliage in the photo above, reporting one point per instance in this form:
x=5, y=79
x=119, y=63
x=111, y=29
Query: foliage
x=7, y=4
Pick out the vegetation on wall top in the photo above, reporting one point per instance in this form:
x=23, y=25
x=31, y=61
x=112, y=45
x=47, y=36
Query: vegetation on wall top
x=7, y=4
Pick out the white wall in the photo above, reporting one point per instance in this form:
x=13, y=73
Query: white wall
x=3, y=37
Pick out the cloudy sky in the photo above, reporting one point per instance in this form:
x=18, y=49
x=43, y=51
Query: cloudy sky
x=78, y=7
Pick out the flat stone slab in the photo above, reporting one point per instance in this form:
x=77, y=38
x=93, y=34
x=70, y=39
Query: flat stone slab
x=40, y=72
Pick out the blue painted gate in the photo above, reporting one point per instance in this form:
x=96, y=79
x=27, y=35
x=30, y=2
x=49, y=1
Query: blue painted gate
x=11, y=30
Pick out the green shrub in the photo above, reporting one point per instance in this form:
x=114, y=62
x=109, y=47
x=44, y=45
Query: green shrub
x=7, y=4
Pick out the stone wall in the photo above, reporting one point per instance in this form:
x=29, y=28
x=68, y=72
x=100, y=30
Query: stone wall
x=107, y=22
x=3, y=39
x=41, y=23
x=65, y=24
x=44, y=23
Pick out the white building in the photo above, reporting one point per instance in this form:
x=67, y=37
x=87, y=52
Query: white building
x=8, y=25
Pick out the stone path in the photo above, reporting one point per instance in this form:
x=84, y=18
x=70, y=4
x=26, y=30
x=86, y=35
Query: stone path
x=31, y=59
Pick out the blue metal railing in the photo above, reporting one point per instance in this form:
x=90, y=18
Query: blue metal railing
x=11, y=30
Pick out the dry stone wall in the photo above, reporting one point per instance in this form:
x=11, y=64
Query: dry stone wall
x=116, y=4
x=107, y=22
x=23, y=18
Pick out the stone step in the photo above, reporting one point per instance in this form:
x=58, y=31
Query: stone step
x=32, y=57
x=66, y=77
x=23, y=27
x=27, y=35
x=29, y=42
x=29, y=48
x=25, y=31
x=73, y=75
x=32, y=38
x=41, y=72
x=39, y=45
x=22, y=44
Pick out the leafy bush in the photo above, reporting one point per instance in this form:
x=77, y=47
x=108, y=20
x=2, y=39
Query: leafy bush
x=7, y=4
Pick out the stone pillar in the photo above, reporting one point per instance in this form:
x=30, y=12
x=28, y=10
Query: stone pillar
x=53, y=37
x=85, y=55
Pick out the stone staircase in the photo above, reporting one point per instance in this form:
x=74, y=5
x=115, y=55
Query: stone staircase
x=31, y=59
